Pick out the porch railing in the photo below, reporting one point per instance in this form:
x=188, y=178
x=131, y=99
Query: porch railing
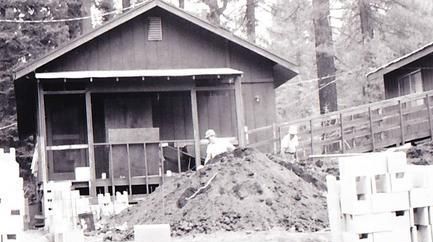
x=150, y=168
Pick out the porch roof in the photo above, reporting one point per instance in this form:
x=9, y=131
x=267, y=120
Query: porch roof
x=140, y=73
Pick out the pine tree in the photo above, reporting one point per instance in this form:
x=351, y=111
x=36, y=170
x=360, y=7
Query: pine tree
x=325, y=57
x=23, y=42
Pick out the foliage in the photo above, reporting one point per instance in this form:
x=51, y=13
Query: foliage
x=397, y=27
x=22, y=42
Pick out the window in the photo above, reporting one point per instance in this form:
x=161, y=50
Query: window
x=410, y=83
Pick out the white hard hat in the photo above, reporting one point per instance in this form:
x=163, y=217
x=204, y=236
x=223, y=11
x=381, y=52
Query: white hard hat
x=209, y=133
x=293, y=129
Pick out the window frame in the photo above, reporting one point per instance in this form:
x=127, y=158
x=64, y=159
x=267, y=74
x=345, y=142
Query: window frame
x=410, y=77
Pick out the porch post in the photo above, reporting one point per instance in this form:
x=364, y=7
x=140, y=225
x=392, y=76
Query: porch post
x=196, y=127
x=92, y=184
x=42, y=133
x=239, y=111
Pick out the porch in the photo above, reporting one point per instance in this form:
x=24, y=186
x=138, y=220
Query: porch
x=131, y=127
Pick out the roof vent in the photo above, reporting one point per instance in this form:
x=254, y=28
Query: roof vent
x=155, y=29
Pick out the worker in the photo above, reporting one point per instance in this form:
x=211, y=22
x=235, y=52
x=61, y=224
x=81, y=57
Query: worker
x=216, y=146
x=289, y=144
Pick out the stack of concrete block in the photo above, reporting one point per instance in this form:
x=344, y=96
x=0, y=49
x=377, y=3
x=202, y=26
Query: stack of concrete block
x=371, y=202
x=62, y=206
x=421, y=200
x=110, y=206
x=105, y=204
x=11, y=198
x=121, y=202
x=58, y=206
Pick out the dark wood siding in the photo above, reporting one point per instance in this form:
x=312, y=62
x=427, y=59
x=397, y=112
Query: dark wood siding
x=126, y=47
x=216, y=110
x=183, y=46
x=259, y=99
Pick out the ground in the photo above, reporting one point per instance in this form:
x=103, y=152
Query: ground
x=242, y=236
x=263, y=236
x=239, y=197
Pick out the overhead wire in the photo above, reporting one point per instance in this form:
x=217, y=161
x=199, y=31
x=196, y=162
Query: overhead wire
x=117, y=11
x=8, y=126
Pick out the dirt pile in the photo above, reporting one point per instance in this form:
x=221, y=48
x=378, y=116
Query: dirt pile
x=311, y=172
x=421, y=154
x=243, y=190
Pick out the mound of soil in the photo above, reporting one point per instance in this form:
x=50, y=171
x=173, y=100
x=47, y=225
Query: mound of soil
x=311, y=172
x=421, y=154
x=243, y=190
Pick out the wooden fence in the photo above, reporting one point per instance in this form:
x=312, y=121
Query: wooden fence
x=359, y=129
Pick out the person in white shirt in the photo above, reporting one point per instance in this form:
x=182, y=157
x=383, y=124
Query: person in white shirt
x=289, y=144
x=216, y=146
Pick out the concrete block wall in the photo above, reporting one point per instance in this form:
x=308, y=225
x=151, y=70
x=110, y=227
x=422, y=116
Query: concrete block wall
x=12, y=201
x=62, y=206
x=378, y=197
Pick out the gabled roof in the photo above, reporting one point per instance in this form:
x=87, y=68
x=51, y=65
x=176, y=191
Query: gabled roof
x=32, y=66
x=404, y=60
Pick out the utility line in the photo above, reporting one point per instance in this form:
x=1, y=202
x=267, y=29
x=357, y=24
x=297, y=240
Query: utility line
x=321, y=78
x=8, y=126
x=69, y=19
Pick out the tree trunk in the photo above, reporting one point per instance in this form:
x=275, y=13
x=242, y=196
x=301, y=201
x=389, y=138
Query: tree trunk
x=365, y=20
x=324, y=57
x=86, y=24
x=215, y=11
x=182, y=4
x=250, y=16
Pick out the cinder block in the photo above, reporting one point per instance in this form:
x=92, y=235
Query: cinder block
x=421, y=216
x=381, y=183
x=389, y=202
x=424, y=233
x=152, y=233
x=397, y=162
x=355, y=195
x=414, y=234
x=401, y=220
x=353, y=237
x=69, y=236
x=82, y=173
x=430, y=214
x=400, y=182
x=10, y=237
x=363, y=165
x=401, y=235
x=369, y=223
x=334, y=209
x=420, y=197
x=421, y=176
x=82, y=205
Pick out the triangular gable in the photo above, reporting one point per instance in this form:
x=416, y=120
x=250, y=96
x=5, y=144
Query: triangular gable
x=284, y=68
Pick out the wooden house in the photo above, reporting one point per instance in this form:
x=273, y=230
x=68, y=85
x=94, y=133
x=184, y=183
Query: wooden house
x=132, y=99
x=409, y=74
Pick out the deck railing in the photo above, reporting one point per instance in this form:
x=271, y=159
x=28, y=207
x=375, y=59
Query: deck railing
x=131, y=164
x=359, y=129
